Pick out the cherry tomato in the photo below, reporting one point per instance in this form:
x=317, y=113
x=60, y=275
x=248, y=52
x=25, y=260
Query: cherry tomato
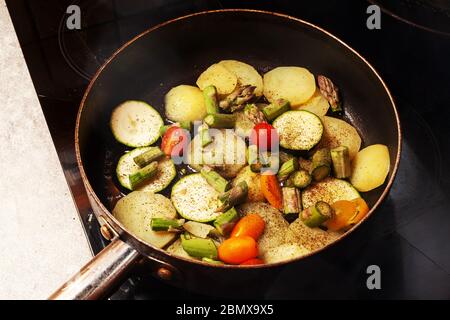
x=344, y=211
x=252, y=262
x=361, y=210
x=264, y=135
x=251, y=225
x=174, y=141
x=238, y=249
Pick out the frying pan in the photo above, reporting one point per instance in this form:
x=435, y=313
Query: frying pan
x=176, y=52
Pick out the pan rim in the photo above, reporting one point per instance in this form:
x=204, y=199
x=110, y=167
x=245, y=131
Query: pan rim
x=163, y=252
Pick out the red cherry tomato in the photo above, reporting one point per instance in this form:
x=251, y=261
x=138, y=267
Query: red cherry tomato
x=252, y=262
x=174, y=141
x=264, y=135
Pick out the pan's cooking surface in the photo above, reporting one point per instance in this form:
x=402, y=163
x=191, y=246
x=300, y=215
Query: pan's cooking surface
x=407, y=236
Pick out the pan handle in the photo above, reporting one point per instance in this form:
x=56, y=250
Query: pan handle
x=100, y=275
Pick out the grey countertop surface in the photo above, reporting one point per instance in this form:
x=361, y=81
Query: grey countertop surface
x=42, y=239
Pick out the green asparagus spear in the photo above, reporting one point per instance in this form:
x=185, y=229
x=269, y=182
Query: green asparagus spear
x=330, y=92
x=275, y=109
x=321, y=164
x=205, y=137
x=285, y=157
x=161, y=224
x=148, y=156
x=183, y=124
x=341, y=162
x=252, y=112
x=234, y=196
x=287, y=168
x=220, y=120
x=210, y=96
x=238, y=98
x=291, y=203
x=219, y=183
x=143, y=174
x=226, y=221
x=300, y=179
x=212, y=261
x=199, y=248
x=316, y=215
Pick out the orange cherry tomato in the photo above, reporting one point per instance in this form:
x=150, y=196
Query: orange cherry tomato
x=270, y=188
x=361, y=210
x=251, y=225
x=344, y=211
x=252, y=262
x=238, y=249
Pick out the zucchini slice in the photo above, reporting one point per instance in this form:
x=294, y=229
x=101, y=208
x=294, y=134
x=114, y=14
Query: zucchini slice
x=126, y=166
x=195, y=199
x=136, y=211
x=136, y=123
x=299, y=129
x=329, y=190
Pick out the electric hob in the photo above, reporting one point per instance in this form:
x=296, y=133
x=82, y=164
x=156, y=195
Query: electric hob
x=408, y=237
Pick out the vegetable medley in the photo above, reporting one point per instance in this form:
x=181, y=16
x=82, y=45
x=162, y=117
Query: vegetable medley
x=274, y=172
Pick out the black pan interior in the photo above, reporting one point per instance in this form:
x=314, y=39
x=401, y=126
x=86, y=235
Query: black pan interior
x=178, y=52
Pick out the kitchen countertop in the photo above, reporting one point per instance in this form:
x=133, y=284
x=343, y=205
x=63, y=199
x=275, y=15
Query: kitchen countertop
x=42, y=239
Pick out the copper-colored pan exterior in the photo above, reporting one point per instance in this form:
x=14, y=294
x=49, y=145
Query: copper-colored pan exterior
x=227, y=279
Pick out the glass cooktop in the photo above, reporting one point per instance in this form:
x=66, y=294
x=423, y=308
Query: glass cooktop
x=408, y=237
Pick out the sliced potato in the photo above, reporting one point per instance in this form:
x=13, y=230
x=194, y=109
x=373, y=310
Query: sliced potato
x=253, y=182
x=337, y=133
x=329, y=190
x=226, y=154
x=136, y=210
x=295, y=84
x=317, y=104
x=310, y=238
x=185, y=103
x=219, y=76
x=370, y=167
x=276, y=226
x=299, y=129
x=284, y=252
x=245, y=74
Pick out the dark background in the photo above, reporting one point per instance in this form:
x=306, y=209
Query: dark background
x=408, y=237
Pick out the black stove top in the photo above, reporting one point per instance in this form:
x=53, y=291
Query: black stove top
x=408, y=237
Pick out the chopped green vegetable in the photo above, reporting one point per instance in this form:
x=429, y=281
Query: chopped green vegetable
x=287, y=168
x=152, y=154
x=291, y=203
x=275, y=109
x=215, y=180
x=205, y=137
x=226, y=221
x=212, y=261
x=199, y=248
x=316, y=215
x=210, y=96
x=321, y=164
x=300, y=179
x=143, y=174
x=341, y=162
x=220, y=120
x=234, y=196
x=161, y=224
